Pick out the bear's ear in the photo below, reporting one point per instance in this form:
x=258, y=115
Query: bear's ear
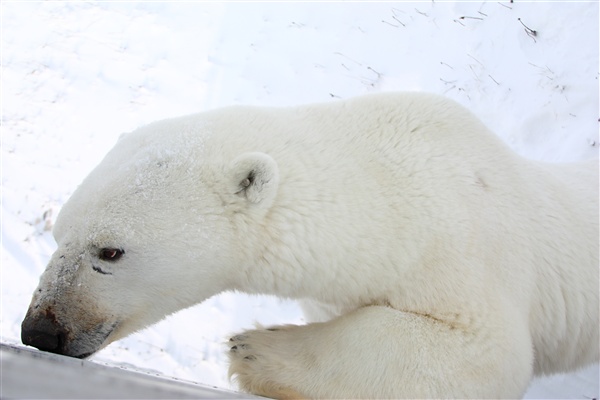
x=256, y=177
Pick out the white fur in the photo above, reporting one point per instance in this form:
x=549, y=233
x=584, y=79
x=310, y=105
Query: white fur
x=438, y=262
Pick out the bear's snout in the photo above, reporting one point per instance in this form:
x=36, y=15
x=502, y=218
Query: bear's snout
x=43, y=331
x=77, y=333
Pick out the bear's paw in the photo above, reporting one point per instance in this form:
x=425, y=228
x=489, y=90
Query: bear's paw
x=261, y=359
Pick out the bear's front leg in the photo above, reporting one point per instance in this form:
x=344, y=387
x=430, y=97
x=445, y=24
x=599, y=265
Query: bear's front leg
x=379, y=352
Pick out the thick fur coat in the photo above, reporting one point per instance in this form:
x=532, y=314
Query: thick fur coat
x=436, y=261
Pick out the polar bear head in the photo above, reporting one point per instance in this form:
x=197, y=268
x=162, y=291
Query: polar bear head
x=152, y=230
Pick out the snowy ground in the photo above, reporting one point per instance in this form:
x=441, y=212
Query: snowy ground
x=75, y=75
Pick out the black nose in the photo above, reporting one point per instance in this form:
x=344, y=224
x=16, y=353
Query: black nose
x=42, y=331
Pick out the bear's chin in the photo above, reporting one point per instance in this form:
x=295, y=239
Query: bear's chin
x=86, y=346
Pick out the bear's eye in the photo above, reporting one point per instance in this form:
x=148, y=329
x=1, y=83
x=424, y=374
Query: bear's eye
x=111, y=255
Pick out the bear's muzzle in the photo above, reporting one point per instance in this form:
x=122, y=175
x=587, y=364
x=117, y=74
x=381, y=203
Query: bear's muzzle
x=44, y=331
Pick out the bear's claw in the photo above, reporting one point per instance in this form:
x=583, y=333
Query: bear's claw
x=237, y=338
x=240, y=349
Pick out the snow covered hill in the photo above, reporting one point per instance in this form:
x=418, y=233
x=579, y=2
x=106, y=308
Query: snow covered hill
x=77, y=74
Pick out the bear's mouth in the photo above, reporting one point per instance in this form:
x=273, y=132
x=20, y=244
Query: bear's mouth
x=85, y=347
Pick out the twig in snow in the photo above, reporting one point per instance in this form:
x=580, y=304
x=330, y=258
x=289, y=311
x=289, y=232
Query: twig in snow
x=447, y=65
x=467, y=17
x=474, y=73
x=395, y=9
x=421, y=12
x=378, y=74
x=495, y=81
x=530, y=32
x=459, y=22
x=466, y=93
x=478, y=62
x=345, y=56
x=389, y=23
x=400, y=22
x=504, y=5
x=537, y=66
x=544, y=70
x=447, y=82
x=449, y=89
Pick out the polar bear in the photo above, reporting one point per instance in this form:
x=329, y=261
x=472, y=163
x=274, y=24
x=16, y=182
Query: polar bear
x=435, y=261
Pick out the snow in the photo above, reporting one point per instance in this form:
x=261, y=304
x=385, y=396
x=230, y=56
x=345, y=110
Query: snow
x=75, y=75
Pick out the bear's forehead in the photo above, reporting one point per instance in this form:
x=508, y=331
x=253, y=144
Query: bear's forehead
x=132, y=199
x=136, y=181
x=86, y=224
